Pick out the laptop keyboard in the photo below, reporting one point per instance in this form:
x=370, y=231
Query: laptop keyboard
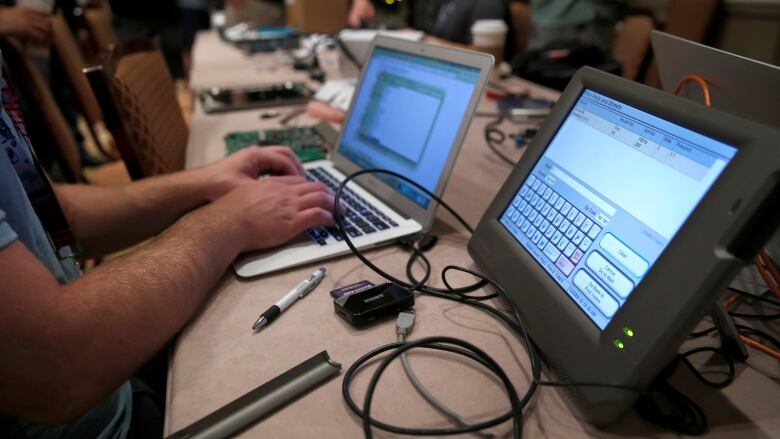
x=563, y=233
x=361, y=217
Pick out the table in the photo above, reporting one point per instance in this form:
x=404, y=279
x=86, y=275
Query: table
x=217, y=358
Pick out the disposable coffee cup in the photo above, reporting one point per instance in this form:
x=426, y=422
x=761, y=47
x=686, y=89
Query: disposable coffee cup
x=490, y=36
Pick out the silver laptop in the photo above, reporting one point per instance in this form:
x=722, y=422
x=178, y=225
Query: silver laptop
x=738, y=85
x=410, y=113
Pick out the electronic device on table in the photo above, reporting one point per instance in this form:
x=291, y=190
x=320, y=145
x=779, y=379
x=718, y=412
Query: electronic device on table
x=216, y=99
x=261, y=39
x=409, y=114
x=738, y=85
x=620, y=227
x=309, y=143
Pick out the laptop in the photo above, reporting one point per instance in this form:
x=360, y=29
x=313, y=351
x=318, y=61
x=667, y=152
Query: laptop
x=738, y=85
x=412, y=107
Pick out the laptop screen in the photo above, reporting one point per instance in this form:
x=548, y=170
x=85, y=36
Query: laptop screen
x=607, y=196
x=405, y=117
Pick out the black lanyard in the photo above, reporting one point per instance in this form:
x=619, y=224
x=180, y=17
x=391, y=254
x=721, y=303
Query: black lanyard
x=13, y=139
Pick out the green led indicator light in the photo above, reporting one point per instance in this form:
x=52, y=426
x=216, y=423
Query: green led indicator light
x=628, y=331
x=619, y=344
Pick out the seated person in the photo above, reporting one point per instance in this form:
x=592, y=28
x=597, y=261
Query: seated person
x=70, y=342
x=589, y=22
x=449, y=20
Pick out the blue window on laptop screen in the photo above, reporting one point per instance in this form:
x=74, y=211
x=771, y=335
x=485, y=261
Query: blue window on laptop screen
x=406, y=116
x=607, y=196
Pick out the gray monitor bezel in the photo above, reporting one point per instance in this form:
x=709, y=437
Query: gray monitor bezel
x=479, y=60
x=675, y=293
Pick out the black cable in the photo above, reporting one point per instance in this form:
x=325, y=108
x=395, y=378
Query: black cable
x=747, y=330
x=447, y=344
x=760, y=298
x=494, y=137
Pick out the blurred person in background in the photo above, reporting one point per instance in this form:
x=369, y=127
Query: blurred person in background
x=447, y=21
x=591, y=22
x=256, y=13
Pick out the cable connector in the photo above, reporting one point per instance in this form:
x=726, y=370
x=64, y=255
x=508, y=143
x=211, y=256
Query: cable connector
x=404, y=324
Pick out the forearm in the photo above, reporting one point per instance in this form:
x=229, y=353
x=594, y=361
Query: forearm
x=106, y=219
x=103, y=326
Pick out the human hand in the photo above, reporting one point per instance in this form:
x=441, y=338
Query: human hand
x=361, y=11
x=24, y=22
x=269, y=211
x=221, y=177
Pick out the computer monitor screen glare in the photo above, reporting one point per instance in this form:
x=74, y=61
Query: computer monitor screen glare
x=607, y=196
x=406, y=116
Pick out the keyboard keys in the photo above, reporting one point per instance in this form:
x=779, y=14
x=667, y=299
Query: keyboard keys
x=547, y=194
x=532, y=216
x=525, y=226
x=585, y=244
x=551, y=252
x=537, y=236
x=535, y=185
x=558, y=219
x=556, y=237
x=566, y=208
x=523, y=191
x=559, y=204
x=577, y=256
x=545, y=225
x=534, y=199
x=594, y=232
x=564, y=226
x=578, y=237
x=562, y=244
x=569, y=250
x=564, y=265
x=551, y=215
x=554, y=198
x=531, y=231
x=538, y=221
x=542, y=189
x=542, y=242
x=570, y=232
x=586, y=225
x=579, y=219
x=545, y=209
x=521, y=207
x=572, y=214
x=549, y=232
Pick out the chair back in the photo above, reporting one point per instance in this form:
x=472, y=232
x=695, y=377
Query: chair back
x=631, y=44
x=137, y=95
x=47, y=126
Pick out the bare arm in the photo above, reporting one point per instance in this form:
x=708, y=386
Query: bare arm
x=106, y=219
x=64, y=348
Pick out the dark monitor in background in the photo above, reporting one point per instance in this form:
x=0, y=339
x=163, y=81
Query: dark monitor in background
x=616, y=231
x=741, y=86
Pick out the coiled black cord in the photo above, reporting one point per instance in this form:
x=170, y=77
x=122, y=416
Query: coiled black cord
x=690, y=421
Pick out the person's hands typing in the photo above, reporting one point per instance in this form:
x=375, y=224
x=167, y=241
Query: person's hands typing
x=269, y=211
x=246, y=166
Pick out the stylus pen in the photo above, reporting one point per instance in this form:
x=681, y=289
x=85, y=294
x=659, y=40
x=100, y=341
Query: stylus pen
x=300, y=290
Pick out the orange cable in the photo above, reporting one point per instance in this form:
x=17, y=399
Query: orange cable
x=775, y=289
x=770, y=265
x=705, y=87
x=756, y=345
x=728, y=303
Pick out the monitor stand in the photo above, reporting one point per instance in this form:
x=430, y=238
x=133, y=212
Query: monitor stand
x=729, y=336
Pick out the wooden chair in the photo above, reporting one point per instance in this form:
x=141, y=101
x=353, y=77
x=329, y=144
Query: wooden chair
x=65, y=50
x=97, y=21
x=47, y=126
x=138, y=98
x=689, y=19
x=632, y=44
